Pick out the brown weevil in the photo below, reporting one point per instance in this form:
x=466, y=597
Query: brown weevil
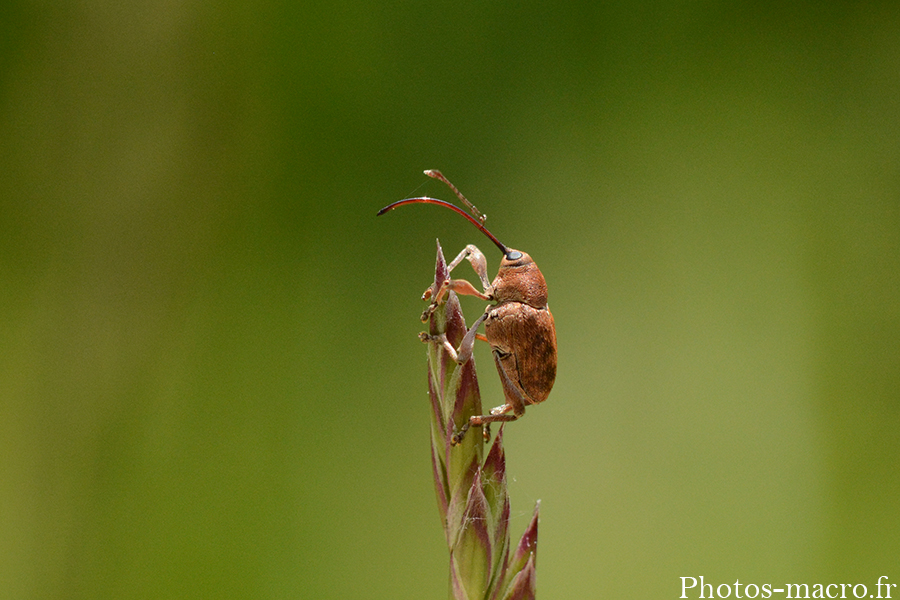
x=518, y=327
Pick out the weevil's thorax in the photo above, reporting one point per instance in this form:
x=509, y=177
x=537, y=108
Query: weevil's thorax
x=520, y=280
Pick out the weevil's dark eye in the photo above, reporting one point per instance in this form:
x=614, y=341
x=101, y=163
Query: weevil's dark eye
x=513, y=255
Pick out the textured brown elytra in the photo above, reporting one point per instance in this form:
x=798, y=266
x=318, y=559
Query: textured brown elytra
x=518, y=327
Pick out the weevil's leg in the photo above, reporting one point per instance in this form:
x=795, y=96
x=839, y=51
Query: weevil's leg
x=484, y=421
x=460, y=434
x=512, y=410
x=461, y=286
x=479, y=264
x=442, y=340
x=495, y=416
x=462, y=354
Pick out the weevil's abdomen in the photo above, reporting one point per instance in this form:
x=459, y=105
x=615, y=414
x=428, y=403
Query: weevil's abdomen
x=526, y=340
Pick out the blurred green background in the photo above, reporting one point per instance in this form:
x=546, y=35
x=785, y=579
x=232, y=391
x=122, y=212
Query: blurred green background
x=210, y=382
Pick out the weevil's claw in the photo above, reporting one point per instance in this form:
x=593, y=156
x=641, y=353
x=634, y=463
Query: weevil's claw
x=428, y=293
x=438, y=293
x=457, y=436
x=425, y=315
x=427, y=337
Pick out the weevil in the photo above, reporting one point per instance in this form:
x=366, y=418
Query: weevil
x=518, y=326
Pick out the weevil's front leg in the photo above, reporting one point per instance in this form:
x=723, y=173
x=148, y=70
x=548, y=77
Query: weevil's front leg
x=460, y=286
x=478, y=262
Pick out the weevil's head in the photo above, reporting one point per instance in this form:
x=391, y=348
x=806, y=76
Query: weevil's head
x=519, y=279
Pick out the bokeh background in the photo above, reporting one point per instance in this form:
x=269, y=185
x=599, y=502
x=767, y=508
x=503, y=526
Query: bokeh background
x=210, y=382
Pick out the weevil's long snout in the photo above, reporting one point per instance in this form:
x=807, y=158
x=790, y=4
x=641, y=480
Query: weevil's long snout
x=426, y=200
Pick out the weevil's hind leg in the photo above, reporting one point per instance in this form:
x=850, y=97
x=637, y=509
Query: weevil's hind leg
x=461, y=433
x=495, y=417
x=485, y=421
x=512, y=410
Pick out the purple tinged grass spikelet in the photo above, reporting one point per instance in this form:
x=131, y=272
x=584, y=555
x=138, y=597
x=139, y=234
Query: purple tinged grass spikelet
x=471, y=490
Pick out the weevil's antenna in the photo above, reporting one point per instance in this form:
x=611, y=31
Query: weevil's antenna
x=438, y=175
x=454, y=208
